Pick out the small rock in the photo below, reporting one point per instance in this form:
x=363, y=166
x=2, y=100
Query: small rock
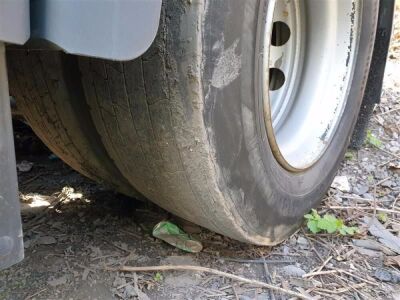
x=373, y=245
x=341, y=183
x=370, y=253
x=384, y=235
x=305, y=283
x=361, y=190
x=57, y=281
x=387, y=276
x=24, y=166
x=380, y=174
x=387, y=183
x=293, y=271
x=263, y=296
x=337, y=198
x=29, y=243
x=368, y=196
x=394, y=149
x=286, y=250
x=46, y=240
x=369, y=167
x=119, y=281
x=129, y=291
x=302, y=242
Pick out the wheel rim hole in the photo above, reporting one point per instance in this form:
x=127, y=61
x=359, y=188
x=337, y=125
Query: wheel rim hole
x=280, y=33
x=276, y=79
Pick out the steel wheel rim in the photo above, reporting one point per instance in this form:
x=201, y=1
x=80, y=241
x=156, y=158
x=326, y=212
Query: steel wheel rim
x=302, y=108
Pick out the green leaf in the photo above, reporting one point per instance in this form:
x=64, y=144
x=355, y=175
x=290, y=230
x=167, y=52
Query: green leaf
x=382, y=217
x=328, y=223
x=349, y=155
x=313, y=226
x=372, y=140
x=351, y=230
x=339, y=223
x=158, y=277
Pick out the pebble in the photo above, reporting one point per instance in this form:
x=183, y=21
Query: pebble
x=387, y=276
x=394, y=149
x=361, y=189
x=129, y=291
x=24, y=166
x=341, y=183
x=57, y=281
x=292, y=270
x=387, y=183
x=368, y=196
x=302, y=242
x=286, y=250
x=46, y=240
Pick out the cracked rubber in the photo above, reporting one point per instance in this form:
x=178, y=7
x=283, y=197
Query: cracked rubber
x=187, y=135
x=48, y=93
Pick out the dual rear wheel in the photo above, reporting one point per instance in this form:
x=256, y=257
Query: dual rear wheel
x=236, y=118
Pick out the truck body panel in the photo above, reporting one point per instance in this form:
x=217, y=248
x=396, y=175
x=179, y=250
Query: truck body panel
x=111, y=29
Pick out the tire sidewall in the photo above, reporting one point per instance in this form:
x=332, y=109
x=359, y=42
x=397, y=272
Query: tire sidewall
x=268, y=198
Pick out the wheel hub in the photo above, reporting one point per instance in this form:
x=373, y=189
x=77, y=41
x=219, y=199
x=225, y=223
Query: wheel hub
x=309, y=49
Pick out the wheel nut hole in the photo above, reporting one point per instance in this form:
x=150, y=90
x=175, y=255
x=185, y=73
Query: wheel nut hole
x=280, y=33
x=276, y=79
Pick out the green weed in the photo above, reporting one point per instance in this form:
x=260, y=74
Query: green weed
x=373, y=140
x=328, y=223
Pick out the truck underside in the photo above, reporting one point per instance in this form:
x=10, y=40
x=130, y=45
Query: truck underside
x=140, y=95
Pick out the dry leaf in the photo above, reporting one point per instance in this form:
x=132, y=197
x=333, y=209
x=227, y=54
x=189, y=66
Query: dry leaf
x=392, y=261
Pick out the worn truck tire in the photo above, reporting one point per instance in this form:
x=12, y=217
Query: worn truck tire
x=189, y=123
x=48, y=93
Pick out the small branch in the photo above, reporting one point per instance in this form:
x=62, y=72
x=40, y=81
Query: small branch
x=312, y=274
x=391, y=211
x=353, y=275
x=361, y=199
x=388, y=111
x=258, y=261
x=212, y=271
x=35, y=294
x=388, y=152
x=317, y=271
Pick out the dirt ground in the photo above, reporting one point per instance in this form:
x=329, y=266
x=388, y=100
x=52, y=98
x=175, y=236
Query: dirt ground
x=77, y=233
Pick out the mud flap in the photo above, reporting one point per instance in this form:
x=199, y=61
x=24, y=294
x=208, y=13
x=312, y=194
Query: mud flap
x=11, y=243
x=373, y=90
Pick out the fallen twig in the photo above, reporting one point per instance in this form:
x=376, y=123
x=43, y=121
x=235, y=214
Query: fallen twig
x=319, y=273
x=389, y=153
x=268, y=278
x=258, y=261
x=362, y=199
x=319, y=269
x=35, y=294
x=33, y=178
x=366, y=208
x=235, y=292
x=353, y=275
x=212, y=271
x=388, y=111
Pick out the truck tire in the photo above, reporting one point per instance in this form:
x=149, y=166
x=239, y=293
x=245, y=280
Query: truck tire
x=48, y=93
x=233, y=119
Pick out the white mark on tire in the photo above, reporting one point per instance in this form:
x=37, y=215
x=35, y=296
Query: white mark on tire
x=227, y=67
